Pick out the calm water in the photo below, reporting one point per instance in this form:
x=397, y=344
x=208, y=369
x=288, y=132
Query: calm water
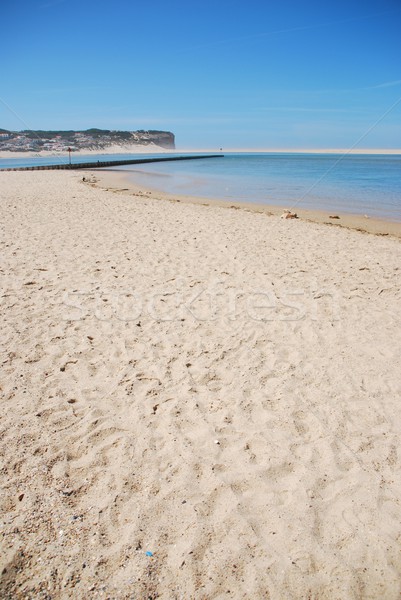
x=6, y=163
x=356, y=184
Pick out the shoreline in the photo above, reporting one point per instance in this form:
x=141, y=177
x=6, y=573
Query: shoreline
x=7, y=154
x=345, y=151
x=120, y=181
x=151, y=148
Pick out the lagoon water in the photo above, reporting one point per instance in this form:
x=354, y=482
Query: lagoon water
x=8, y=163
x=355, y=184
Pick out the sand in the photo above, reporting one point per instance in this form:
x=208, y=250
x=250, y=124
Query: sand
x=122, y=180
x=217, y=387
x=127, y=149
x=348, y=151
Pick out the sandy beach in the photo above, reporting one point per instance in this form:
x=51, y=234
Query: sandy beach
x=198, y=402
x=128, y=149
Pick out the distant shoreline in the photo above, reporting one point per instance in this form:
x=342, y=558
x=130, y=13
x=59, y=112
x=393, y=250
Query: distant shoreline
x=158, y=149
x=297, y=150
x=149, y=149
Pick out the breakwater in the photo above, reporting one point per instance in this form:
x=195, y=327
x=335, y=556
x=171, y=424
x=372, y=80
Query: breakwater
x=108, y=163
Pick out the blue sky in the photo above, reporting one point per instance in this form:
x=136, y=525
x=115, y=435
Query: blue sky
x=272, y=74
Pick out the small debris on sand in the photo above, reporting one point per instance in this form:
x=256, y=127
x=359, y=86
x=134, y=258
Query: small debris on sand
x=334, y=217
x=287, y=214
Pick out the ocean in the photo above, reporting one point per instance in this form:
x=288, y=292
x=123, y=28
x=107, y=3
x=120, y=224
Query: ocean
x=355, y=184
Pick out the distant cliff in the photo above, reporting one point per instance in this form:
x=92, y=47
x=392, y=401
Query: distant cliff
x=91, y=139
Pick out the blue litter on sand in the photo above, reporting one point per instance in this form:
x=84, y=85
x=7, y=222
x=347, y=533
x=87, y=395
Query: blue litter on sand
x=148, y=553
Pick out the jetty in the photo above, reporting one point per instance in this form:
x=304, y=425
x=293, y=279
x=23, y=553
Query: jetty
x=101, y=164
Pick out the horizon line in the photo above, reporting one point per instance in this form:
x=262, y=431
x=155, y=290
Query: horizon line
x=296, y=150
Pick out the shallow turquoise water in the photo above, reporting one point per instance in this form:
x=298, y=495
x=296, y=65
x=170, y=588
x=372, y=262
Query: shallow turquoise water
x=356, y=184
